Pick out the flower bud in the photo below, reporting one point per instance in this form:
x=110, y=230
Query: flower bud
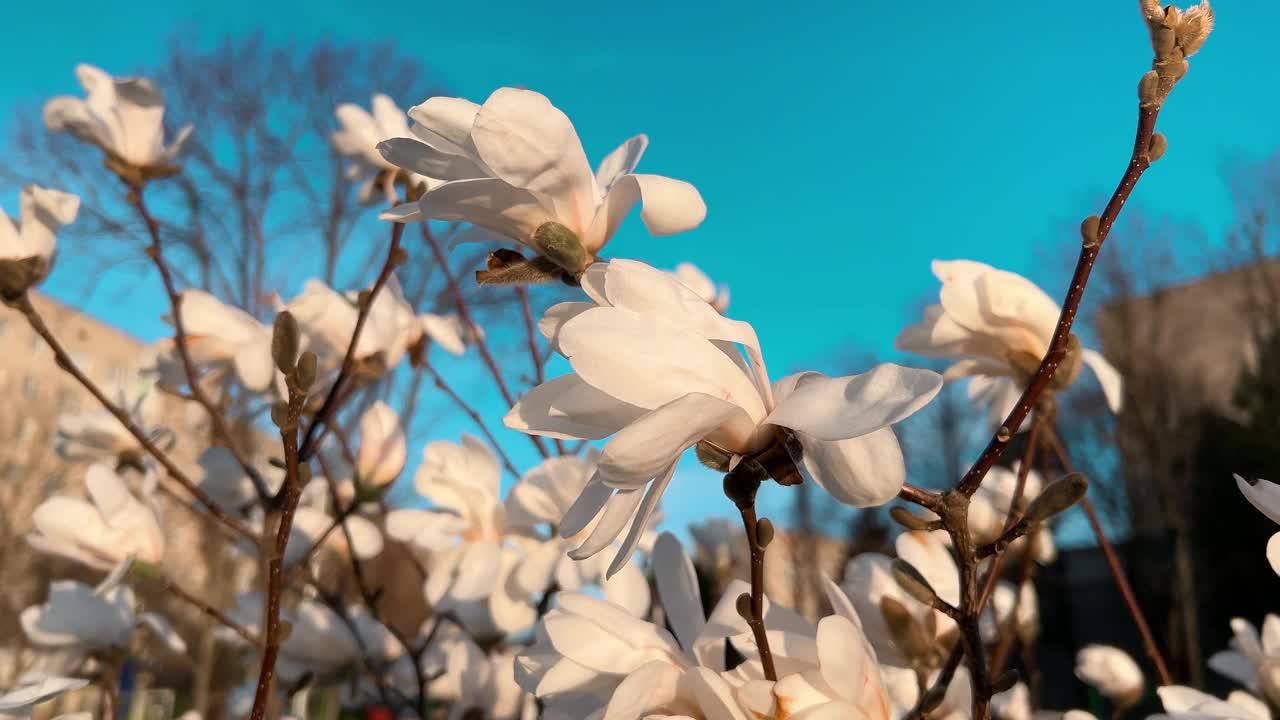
x=285, y=341
x=561, y=245
x=1155, y=149
x=913, y=583
x=280, y=414
x=533, y=271
x=1089, y=230
x=1149, y=88
x=909, y=520
x=1058, y=497
x=382, y=453
x=305, y=374
x=743, y=606
x=908, y=635
x=764, y=532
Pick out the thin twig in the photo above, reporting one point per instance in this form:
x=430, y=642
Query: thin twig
x=464, y=313
x=198, y=603
x=292, y=493
x=740, y=485
x=330, y=406
x=471, y=413
x=1138, y=164
x=1113, y=562
x=64, y=361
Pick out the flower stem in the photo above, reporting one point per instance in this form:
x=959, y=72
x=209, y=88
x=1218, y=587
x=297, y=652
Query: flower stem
x=741, y=485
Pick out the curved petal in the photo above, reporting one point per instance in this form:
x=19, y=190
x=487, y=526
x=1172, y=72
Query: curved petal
x=640, y=522
x=621, y=161
x=595, y=494
x=529, y=143
x=567, y=408
x=649, y=444
x=419, y=157
x=488, y=202
x=1273, y=553
x=446, y=117
x=628, y=589
x=839, y=408
x=651, y=686
x=668, y=206
x=861, y=472
x=619, y=508
x=1108, y=377
x=678, y=590
x=1263, y=495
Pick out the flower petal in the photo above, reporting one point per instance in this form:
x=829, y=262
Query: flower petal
x=488, y=202
x=1263, y=495
x=668, y=206
x=861, y=472
x=678, y=590
x=839, y=408
x=621, y=161
x=1108, y=377
x=640, y=522
x=650, y=443
x=567, y=408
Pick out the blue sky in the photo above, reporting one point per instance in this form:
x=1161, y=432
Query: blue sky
x=839, y=146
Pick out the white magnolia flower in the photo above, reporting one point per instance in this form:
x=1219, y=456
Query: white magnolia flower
x=109, y=527
x=1191, y=704
x=590, y=655
x=35, y=688
x=358, y=139
x=449, y=332
x=719, y=545
x=1078, y=715
x=320, y=642
x=1265, y=496
x=540, y=499
x=998, y=326
x=1005, y=601
x=869, y=582
x=660, y=370
x=472, y=554
x=123, y=116
x=1112, y=672
x=515, y=164
x=219, y=334
x=697, y=281
x=83, y=619
x=1253, y=661
x=472, y=681
x=382, y=452
x=310, y=523
x=27, y=249
x=1012, y=704
x=95, y=434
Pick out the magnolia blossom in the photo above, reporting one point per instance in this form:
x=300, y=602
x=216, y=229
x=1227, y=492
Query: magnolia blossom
x=1183, y=702
x=697, y=281
x=358, y=139
x=660, y=370
x=26, y=249
x=223, y=479
x=382, y=453
x=83, y=619
x=1253, y=661
x=33, y=689
x=109, y=527
x=1265, y=496
x=311, y=523
x=1017, y=604
x=1112, y=672
x=320, y=641
x=222, y=334
x=997, y=325
x=472, y=556
x=123, y=116
x=870, y=585
x=719, y=545
x=328, y=319
x=540, y=499
x=516, y=167
x=472, y=681
x=590, y=655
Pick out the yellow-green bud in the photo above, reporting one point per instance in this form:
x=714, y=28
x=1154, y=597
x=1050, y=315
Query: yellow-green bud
x=305, y=374
x=285, y=340
x=764, y=532
x=913, y=583
x=1155, y=149
x=562, y=246
x=1058, y=497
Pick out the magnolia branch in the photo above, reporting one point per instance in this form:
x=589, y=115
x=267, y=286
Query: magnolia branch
x=220, y=426
x=324, y=416
x=740, y=485
x=64, y=361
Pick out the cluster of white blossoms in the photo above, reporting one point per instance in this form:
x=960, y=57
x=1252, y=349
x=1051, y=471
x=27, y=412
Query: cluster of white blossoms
x=529, y=613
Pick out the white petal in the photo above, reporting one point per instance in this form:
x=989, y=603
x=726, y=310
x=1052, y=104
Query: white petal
x=651, y=686
x=668, y=206
x=640, y=523
x=840, y=408
x=1108, y=377
x=617, y=511
x=864, y=471
x=678, y=590
x=488, y=202
x=934, y=561
x=1263, y=495
x=532, y=145
x=628, y=589
x=568, y=408
x=649, y=444
x=621, y=161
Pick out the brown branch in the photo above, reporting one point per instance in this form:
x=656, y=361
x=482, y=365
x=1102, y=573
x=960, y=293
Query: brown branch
x=331, y=402
x=1000, y=655
x=220, y=426
x=740, y=485
x=64, y=361
x=1056, y=353
x=292, y=493
x=1054, y=441
x=214, y=613
x=464, y=313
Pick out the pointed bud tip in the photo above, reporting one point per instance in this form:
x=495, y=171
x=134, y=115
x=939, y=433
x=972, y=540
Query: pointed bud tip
x=1059, y=496
x=285, y=341
x=913, y=582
